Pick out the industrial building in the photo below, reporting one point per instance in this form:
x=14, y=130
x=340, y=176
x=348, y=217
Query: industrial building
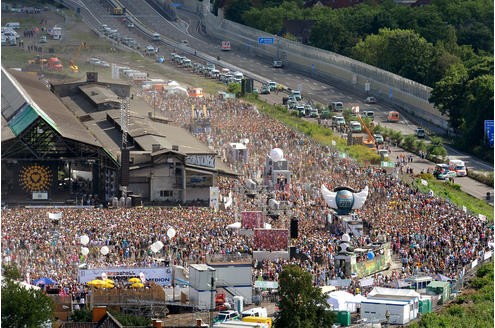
x=87, y=142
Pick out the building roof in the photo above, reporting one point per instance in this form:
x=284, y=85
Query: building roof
x=437, y=284
x=25, y=98
x=390, y=293
x=99, y=94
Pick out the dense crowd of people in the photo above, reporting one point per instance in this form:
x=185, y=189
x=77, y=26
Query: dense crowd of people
x=427, y=234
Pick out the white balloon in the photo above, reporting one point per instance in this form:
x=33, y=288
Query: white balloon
x=277, y=154
x=84, y=250
x=104, y=250
x=84, y=239
x=171, y=233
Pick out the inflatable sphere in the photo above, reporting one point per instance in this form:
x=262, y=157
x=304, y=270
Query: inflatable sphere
x=276, y=154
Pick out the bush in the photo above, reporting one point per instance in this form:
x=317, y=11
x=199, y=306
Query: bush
x=483, y=177
x=409, y=142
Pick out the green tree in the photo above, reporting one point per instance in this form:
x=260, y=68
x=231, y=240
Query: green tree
x=234, y=88
x=11, y=271
x=447, y=94
x=23, y=307
x=301, y=304
x=234, y=9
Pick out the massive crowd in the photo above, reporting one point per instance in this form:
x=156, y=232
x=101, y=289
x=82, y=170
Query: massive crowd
x=427, y=234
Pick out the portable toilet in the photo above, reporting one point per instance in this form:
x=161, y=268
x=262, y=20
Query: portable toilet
x=239, y=303
x=441, y=288
x=344, y=318
x=425, y=304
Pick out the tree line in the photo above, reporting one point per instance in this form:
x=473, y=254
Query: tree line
x=447, y=45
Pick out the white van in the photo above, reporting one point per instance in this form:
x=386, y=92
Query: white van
x=355, y=126
x=14, y=25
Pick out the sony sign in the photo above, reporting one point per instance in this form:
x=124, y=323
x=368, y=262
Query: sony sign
x=201, y=160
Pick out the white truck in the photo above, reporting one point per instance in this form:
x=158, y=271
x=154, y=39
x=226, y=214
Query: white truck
x=458, y=166
x=56, y=33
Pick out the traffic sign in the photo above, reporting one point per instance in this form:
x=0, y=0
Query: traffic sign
x=265, y=40
x=489, y=131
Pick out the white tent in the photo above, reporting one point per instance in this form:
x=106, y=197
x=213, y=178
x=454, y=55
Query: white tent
x=359, y=298
x=177, y=90
x=342, y=301
x=236, y=225
x=23, y=284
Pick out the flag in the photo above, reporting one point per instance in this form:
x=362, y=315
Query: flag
x=334, y=143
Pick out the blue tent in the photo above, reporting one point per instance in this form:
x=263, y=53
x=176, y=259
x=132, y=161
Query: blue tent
x=44, y=281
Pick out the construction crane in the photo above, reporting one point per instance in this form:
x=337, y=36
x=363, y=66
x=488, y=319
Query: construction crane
x=370, y=142
x=72, y=63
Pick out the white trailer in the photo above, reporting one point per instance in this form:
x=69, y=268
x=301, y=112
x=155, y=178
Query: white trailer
x=57, y=33
x=401, y=312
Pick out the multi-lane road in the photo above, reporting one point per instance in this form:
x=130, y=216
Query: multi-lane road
x=187, y=36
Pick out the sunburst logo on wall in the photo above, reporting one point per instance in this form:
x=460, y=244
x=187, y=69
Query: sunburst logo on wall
x=35, y=178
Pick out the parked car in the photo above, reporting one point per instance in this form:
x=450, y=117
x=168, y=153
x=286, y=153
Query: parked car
x=378, y=138
x=442, y=172
x=370, y=100
x=272, y=85
x=265, y=90
x=296, y=94
x=337, y=106
x=368, y=114
x=226, y=315
x=420, y=133
x=338, y=120
x=355, y=126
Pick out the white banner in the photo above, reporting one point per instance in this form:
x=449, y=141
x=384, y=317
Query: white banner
x=214, y=197
x=55, y=216
x=161, y=276
x=340, y=282
x=487, y=255
x=265, y=284
x=366, y=282
x=475, y=263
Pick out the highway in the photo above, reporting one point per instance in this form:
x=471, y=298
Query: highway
x=187, y=37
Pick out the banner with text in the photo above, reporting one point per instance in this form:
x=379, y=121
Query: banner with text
x=161, y=275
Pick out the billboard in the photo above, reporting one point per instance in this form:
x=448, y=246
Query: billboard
x=271, y=239
x=160, y=275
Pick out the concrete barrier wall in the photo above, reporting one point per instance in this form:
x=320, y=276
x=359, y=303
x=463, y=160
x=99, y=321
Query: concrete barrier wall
x=323, y=65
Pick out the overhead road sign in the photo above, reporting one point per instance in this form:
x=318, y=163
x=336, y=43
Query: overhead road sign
x=265, y=40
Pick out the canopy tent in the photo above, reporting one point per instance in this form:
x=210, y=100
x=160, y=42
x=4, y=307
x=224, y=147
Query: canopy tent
x=44, y=281
x=236, y=225
x=342, y=301
x=359, y=299
x=177, y=90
